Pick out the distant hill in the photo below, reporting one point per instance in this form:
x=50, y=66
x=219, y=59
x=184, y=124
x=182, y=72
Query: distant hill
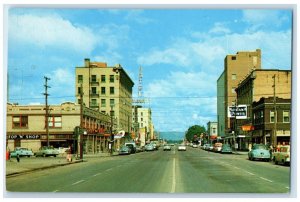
x=171, y=135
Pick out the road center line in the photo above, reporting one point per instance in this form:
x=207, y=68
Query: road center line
x=78, y=182
x=249, y=173
x=108, y=169
x=97, y=174
x=265, y=179
x=174, y=180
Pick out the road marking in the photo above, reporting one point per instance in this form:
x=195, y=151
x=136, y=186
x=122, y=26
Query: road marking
x=56, y=190
x=97, y=174
x=174, y=180
x=108, y=169
x=265, y=179
x=78, y=182
x=249, y=173
x=287, y=187
x=236, y=167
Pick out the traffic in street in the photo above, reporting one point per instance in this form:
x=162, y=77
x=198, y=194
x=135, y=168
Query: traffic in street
x=193, y=170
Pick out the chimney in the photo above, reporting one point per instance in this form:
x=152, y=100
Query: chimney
x=86, y=62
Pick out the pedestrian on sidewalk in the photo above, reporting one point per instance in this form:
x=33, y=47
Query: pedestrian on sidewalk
x=18, y=158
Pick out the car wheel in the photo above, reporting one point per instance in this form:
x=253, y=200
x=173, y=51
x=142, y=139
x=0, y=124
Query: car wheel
x=54, y=155
x=276, y=162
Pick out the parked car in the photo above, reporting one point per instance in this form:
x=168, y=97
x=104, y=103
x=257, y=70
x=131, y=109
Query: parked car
x=205, y=146
x=132, y=147
x=195, y=146
x=217, y=147
x=149, y=147
x=167, y=147
x=124, y=150
x=226, y=149
x=209, y=147
x=283, y=155
x=21, y=151
x=47, y=151
x=260, y=152
x=181, y=147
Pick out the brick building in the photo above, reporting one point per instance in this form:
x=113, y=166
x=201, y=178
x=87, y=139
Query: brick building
x=26, y=127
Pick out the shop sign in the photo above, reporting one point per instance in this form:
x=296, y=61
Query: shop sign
x=29, y=137
x=238, y=112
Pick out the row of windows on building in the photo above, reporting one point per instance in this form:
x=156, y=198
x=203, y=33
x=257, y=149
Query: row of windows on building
x=259, y=117
x=94, y=78
x=94, y=91
x=21, y=121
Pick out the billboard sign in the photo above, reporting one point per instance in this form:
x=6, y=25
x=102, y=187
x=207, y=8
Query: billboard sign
x=238, y=112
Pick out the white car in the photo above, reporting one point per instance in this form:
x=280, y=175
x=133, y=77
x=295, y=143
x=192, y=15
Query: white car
x=283, y=155
x=181, y=148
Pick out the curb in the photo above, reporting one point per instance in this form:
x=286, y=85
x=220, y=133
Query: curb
x=42, y=168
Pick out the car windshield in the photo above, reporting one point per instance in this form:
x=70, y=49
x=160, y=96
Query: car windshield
x=259, y=146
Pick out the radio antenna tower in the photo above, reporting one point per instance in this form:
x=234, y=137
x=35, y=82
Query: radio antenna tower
x=140, y=99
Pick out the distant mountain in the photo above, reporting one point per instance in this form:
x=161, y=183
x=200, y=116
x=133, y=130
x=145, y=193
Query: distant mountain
x=171, y=135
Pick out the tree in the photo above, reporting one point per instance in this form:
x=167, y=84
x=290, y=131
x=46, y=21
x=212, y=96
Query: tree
x=194, y=132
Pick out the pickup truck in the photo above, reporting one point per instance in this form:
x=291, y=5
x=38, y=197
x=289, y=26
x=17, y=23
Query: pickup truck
x=47, y=151
x=283, y=155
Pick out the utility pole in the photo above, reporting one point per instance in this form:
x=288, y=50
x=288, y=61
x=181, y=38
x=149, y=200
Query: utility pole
x=235, y=126
x=81, y=123
x=111, y=129
x=274, y=134
x=47, y=108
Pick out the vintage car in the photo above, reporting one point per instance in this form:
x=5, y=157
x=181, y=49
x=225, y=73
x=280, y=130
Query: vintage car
x=21, y=152
x=217, y=147
x=226, y=149
x=181, y=147
x=259, y=152
x=167, y=147
x=149, y=147
x=124, y=150
x=283, y=155
x=47, y=151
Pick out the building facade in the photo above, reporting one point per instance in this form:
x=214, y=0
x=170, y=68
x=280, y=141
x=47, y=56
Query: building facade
x=142, y=122
x=212, y=131
x=106, y=89
x=265, y=123
x=26, y=127
x=260, y=83
x=236, y=67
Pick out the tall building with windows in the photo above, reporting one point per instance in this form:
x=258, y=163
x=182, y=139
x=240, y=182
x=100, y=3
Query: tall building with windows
x=142, y=117
x=236, y=67
x=107, y=89
x=260, y=84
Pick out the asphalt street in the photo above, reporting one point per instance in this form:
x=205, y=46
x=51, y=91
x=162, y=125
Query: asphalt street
x=191, y=171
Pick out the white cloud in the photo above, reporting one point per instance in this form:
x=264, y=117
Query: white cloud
x=208, y=52
x=219, y=28
x=259, y=19
x=136, y=15
x=62, y=76
x=50, y=31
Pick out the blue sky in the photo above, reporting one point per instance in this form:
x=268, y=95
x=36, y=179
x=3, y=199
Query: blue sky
x=181, y=51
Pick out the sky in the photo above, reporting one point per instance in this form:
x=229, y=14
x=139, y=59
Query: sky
x=181, y=52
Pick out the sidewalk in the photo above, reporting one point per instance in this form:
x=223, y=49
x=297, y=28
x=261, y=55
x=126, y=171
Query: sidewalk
x=39, y=163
